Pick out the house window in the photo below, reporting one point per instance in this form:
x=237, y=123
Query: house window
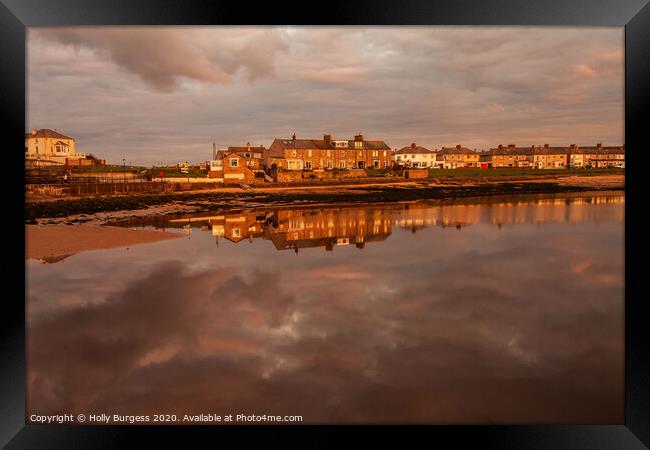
x=309, y=153
x=342, y=164
x=234, y=162
x=330, y=165
x=375, y=164
x=250, y=163
x=328, y=153
x=358, y=144
x=375, y=153
x=236, y=232
x=307, y=164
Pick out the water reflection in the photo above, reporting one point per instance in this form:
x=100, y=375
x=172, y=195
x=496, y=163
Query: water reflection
x=517, y=324
x=307, y=227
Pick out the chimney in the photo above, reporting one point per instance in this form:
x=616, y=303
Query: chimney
x=572, y=146
x=328, y=139
x=34, y=130
x=358, y=137
x=413, y=145
x=500, y=146
x=458, y=147
x=599, y=145
x=214, y=151
x=248, y=145
x=511, y=145
x=294, y=137
x=546, y=146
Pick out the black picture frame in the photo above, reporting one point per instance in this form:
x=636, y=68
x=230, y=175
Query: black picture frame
x=634, y=15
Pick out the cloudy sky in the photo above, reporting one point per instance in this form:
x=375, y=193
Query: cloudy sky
x=152, y=94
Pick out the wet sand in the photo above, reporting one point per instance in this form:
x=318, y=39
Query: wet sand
x=51, y=243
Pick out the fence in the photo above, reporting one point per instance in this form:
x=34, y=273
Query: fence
x=73, y=188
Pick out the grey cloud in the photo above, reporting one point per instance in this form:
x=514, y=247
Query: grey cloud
x=476, y=86
x=159, y=56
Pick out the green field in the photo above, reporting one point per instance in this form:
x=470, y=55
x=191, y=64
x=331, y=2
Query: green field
x=474, y=173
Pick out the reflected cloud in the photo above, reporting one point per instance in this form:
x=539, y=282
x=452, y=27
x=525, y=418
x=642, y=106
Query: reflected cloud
x=518, y=325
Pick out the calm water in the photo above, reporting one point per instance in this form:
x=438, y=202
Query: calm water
x=506, y=311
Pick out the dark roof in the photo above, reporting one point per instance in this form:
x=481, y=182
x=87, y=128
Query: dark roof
x=510, y=151
x=324, y=145
x=455, y=151
x=614, y=149
x=246, y=149
x=413, y=149
x=47, y=133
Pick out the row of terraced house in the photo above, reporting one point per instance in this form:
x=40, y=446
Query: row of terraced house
x=292, y=158
x=536, y=157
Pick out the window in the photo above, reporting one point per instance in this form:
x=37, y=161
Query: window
x=330, y=164
x=358, y=144
x=375, y=164
x=234, y=162
x=342, y=164
x=250, y=163
x=328, y=153
x=236, y=232
x=309, y=153
x=384, y=152
x=375, y=153
x=308, y=164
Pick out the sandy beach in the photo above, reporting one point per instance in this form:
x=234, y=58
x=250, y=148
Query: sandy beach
x=52, y=242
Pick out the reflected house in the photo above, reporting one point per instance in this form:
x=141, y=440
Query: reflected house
x=417, y=217
x=307, y=228
x=326, y=154
x=294, y=229
x=237, y=227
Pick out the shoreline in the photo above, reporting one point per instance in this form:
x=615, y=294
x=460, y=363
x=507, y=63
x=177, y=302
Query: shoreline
x=51, y=243
x=103, y=209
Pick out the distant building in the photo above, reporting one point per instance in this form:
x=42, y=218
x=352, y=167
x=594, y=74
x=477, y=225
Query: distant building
x=237, y=163
x=417, y=156
x=459, y=157
x=46, y=147
x=598, y=156
x=326, y=154
x=508, y=156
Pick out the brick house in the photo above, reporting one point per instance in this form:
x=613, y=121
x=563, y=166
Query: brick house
x=598, y=156
x=548, y=157
x=326, y=154
x=458, y=157
x=508, y=156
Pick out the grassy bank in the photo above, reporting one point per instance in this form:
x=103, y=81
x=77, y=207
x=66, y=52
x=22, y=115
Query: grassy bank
x=481, y=173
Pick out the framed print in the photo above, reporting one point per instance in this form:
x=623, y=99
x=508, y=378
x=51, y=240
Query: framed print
x=416, y=219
